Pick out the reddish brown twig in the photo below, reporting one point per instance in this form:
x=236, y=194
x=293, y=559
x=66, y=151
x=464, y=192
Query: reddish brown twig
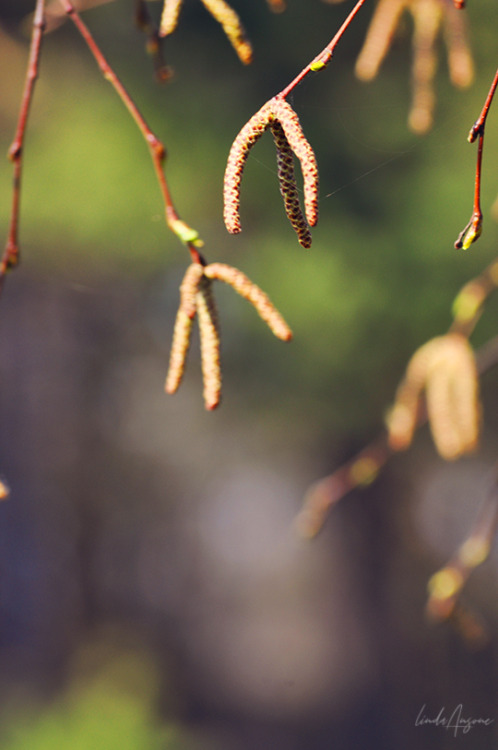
x=157, y=151
x=10, y=258
x=473, y=230
x=480, y=123
x=324, y=57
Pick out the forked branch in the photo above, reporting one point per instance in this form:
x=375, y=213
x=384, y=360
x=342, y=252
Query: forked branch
x=364, y=468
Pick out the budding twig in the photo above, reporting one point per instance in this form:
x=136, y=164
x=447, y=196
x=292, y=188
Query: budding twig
x=324, y=57
x=10, y=257
x=156, y=148
x=473, y=230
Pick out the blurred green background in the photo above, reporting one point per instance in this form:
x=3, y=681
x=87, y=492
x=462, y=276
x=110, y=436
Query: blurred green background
x=152, y=594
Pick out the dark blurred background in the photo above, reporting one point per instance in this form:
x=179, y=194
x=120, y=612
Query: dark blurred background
x=152, y=594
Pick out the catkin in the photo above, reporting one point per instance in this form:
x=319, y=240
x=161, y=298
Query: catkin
x=169, y=16
x=253, y=294
x=189, y=287
x=291, y=127
x=210, y=345
x=245, y=140
x=379, y=38
x=446, y=368
x=232, y=26
x=288, y=188
x=452, y=393
x=460, y=63
x=402, y=420
x=179, y=351
x=183, y=326
x=427, y=19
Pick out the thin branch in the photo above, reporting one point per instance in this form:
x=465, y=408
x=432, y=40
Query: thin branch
x=156, y=147
x=322, y=60
x=480, y=123
x=10, y=258
x=473, y=229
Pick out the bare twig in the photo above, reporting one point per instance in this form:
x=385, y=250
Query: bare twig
x=324, y=57
x=473, y=230
x=157, y=150
x=10, y=258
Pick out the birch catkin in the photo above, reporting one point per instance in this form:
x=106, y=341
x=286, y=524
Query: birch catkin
x=253, y=294
x=232, y=26
x=283, y=112
x=189, y=287
x=446, y=368
x=453, y=398
x=169, y=16
x=183, y=326
x=402, y=420
x=288, y=187
x=210, y=345
x=245, y=140
x=379, y=36
x=179, y=351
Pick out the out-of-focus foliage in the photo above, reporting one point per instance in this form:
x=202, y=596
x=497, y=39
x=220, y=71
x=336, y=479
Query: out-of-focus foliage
x=108, y=705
